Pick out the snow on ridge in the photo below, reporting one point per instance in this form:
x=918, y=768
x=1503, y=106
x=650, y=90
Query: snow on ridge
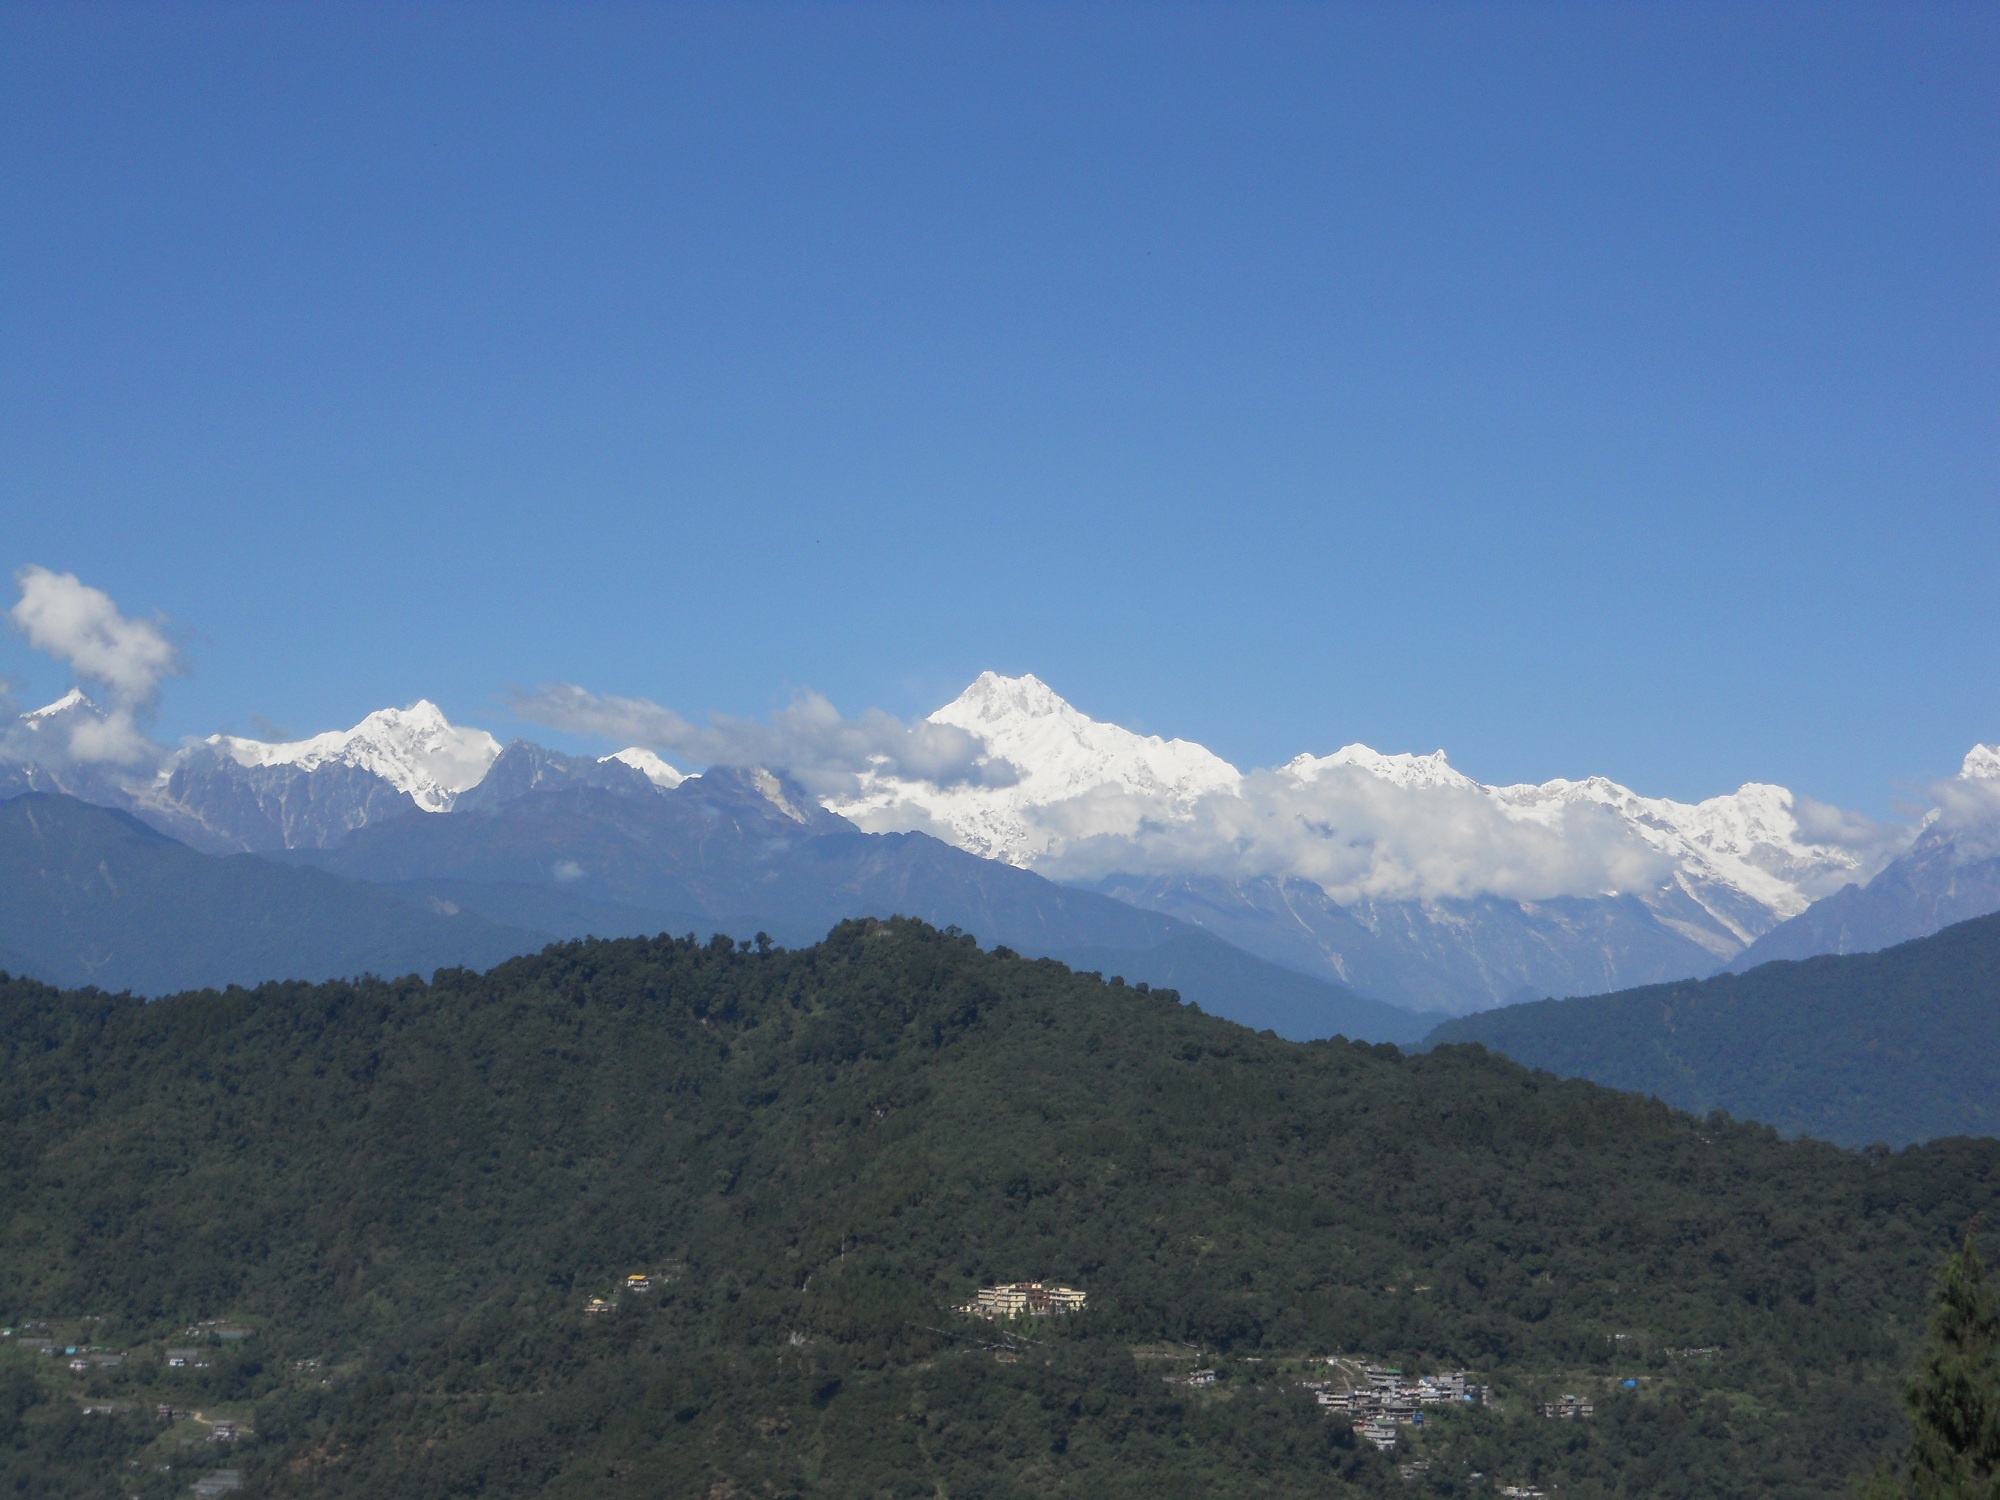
x=649, y=765
x=1404, y=770
x=1105, y=777
x=1982, y=763
x=1748, y=840
x=1080, y=782
x=416, y=750
x=74, y=698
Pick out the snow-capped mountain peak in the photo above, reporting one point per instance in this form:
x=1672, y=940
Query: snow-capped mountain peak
x=1047, y=742
x=1403, y=770
x=74, y=700
x=649, y=765
x=1057, y=756
x=1982, y=763
x=416, y=750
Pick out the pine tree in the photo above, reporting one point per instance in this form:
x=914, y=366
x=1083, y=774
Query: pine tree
x=1954, y=1398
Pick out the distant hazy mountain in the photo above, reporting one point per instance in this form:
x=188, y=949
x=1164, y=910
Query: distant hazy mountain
x=1451, y=955
x=745, y=850
x=1950, y=874
x=90, y=895
x=1897, y=1046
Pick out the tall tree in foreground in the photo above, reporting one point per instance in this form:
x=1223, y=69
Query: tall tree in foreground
x=1954, y=1398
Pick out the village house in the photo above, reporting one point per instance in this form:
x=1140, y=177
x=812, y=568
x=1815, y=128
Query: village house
x=1569, y=1407
x=184, y=1359
x=1377, y=1430
x=597, y=1307
x=1010, y=1299
x=638, y=1282
x=1389, y=1397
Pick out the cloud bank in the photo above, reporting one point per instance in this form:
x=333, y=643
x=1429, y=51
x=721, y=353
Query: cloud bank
x=1356, y=836
x=808, y=738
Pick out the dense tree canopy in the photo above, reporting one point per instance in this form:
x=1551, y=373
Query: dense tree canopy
x=405, y=1194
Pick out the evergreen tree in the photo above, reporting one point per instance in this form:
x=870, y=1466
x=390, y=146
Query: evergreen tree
x=1954, y=1399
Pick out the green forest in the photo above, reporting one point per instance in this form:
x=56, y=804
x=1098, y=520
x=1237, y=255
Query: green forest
x=370, y=1220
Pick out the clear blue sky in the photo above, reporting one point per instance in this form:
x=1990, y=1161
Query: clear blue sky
x=1593, y=388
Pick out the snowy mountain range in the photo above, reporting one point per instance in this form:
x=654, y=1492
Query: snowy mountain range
x=1395, y=874
x=228, y=794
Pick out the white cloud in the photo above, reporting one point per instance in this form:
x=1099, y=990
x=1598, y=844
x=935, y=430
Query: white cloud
x=1968, y=808
x=125, y=659
x=808, y=738
x=1358, y=836
x=75, y=623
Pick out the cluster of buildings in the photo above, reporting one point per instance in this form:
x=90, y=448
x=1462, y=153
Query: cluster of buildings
x=1389, y=1400
x=637, y=1284
x=1012, y=1299
x=1569, y=1408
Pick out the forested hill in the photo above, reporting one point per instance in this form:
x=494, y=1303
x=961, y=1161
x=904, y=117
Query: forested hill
x=1897, y=1046
x=377, y=1213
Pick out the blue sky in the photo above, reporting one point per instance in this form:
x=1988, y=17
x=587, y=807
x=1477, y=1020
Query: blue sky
x=1579, y=388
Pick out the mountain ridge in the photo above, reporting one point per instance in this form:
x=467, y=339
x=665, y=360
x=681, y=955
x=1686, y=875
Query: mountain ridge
x=1898, y=1045
x=1659, y=889
x=94, y=896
